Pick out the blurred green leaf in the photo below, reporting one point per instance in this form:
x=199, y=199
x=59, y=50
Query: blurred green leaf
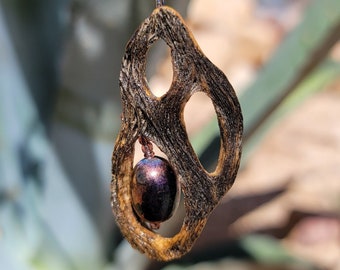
x=43, y=224
x=320, y=78
x=298, y=55
x=268, y=251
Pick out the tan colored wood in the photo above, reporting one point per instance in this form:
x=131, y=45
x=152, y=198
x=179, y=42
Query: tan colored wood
x=160, y=119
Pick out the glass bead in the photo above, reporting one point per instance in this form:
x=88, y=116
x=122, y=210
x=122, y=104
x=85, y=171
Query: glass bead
x=154, y=190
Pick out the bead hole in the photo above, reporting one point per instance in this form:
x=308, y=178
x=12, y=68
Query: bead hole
x=140, y=155
x=201, y=125
x=159, y=72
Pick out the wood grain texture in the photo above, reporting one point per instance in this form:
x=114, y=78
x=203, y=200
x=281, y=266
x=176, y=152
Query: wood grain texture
x=160, y=119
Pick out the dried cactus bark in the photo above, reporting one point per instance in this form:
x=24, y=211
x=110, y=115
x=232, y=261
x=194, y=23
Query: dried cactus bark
x=160, y=119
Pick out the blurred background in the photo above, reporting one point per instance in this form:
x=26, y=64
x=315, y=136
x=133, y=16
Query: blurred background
x=60, y=113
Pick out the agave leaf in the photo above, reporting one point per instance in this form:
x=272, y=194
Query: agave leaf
x=294, y=60
x=42, y=222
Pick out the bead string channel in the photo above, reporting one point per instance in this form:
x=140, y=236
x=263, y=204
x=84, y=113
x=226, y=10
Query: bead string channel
x=147, y=147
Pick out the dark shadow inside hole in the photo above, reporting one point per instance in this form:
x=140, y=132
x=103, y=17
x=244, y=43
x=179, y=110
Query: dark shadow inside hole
x=208, y=157
x=159, y=63
x=172, y=226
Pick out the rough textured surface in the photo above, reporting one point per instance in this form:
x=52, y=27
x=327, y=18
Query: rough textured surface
x=161, y=121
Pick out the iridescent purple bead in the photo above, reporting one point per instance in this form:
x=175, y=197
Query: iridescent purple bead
x=154, y=190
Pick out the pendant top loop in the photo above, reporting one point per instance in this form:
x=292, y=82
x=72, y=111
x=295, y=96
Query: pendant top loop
x=160, y=3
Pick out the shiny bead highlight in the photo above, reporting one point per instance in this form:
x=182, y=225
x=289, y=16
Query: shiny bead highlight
x=154, y=190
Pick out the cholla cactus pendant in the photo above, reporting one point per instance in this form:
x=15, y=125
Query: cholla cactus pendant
x=144, y=196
